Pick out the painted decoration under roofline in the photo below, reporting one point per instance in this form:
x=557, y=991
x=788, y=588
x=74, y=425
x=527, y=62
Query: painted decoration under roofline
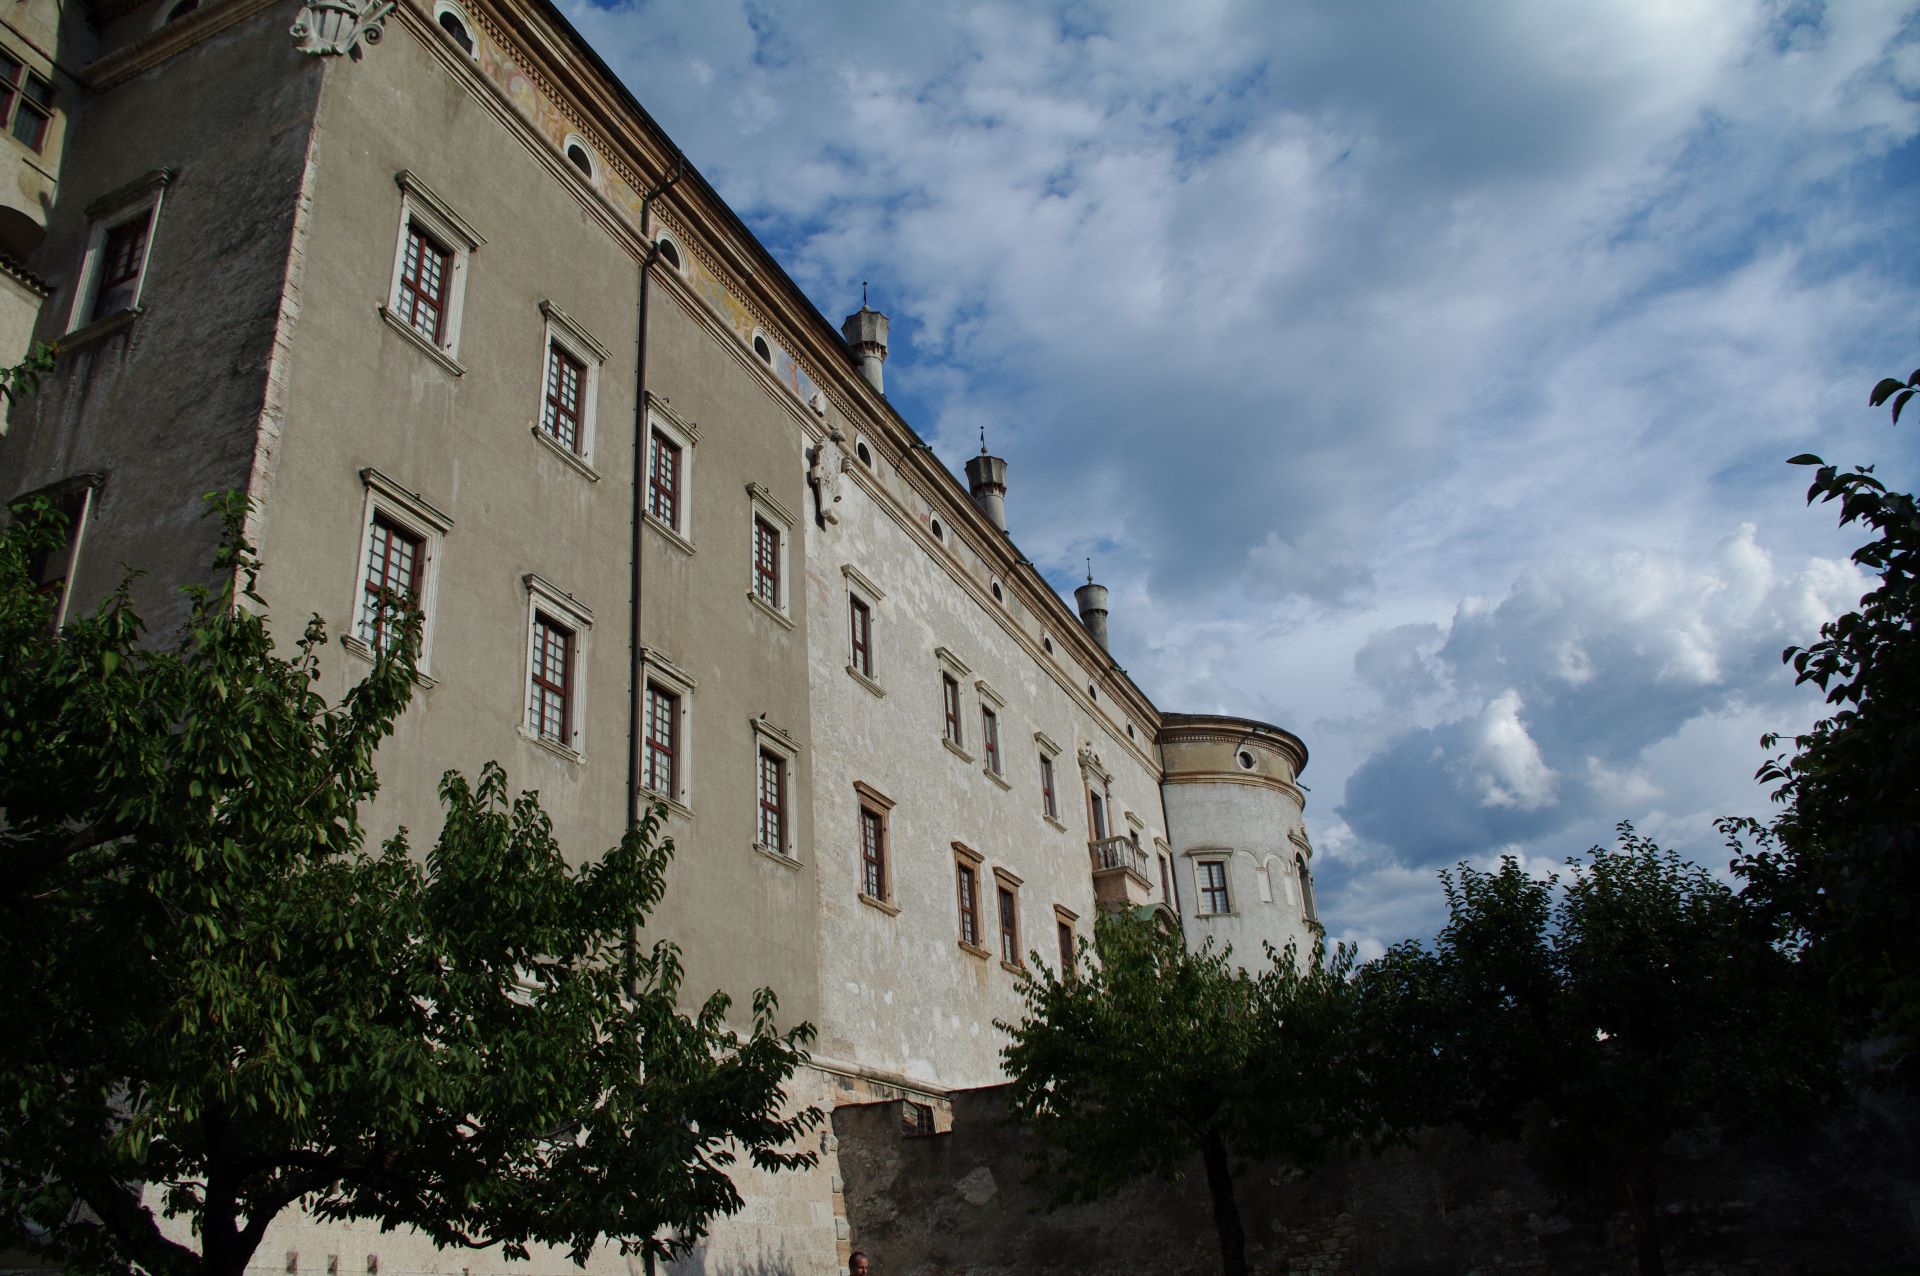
x=331, y=28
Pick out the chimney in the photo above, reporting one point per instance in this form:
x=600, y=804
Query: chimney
x=866, y=333
x=987, y=480
x=1092, y=601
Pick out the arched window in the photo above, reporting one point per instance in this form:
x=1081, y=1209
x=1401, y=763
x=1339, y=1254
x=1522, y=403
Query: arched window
x=180, y=11
x=668, y=252
x=761, y=348
x=577, y=155
x=454, y=25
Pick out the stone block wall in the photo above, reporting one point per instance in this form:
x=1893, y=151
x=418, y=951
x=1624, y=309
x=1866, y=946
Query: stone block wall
x=1845, y=1198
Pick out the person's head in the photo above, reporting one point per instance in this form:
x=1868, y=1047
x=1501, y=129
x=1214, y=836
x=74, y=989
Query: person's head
x=856, y=1264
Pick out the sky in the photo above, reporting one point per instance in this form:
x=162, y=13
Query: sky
x=1419, y=377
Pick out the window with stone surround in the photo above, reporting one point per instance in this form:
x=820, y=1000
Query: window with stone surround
x=430, y=271
x=966, y=876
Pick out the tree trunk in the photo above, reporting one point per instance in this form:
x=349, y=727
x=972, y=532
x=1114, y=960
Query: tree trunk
x=1646, y=1222
x=1226, y=1210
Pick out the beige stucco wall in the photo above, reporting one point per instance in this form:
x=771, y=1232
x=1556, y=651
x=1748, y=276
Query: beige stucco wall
x=1252, y=818
x=898, y=992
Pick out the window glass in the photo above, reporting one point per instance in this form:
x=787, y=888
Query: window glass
x=550, y=712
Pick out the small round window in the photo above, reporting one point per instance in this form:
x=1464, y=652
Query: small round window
x=939, y=532
x=1091, y=693
x=866, y=457
x=1130, y=734
x=761, y=348
x=454, y=25
x=997, y=595
x=577, y=155
x=1245, y=760
x=1046, y=641
x=668, y=253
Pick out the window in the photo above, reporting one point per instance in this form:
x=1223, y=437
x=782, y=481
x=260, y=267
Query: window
x=1166, y=882
x=669, y=252
x=657, y=767
x=663, y=479
x=950, y=694
x=873, y=853
x=966, y=893
x=52, y=568
x=772, y=527
x=550, y=697
x=26, y=102
x=429, y=270
x=399, y=549
x=774, y=755
x=426, y=272
x=566, y=385
x=1097, y=807
x=670, y=455
x=1007, y=896
x=1306, y=888
x=577, y=156
x=180, y=11
x=761, y=348
x=557, y=624
x=391, y=582
x=1049, y=805
x=860, y=635
x=990, y=737
x=766, y=562
x=773, y=801
x=1213, y=887
x=113, y=268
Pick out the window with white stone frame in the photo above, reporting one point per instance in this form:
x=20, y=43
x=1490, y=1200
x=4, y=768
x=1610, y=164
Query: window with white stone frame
x=1210, y=879
x=770, y=532
x=569, y=388
x=666, y=755
x=775, y=754
x=430, y=260
x=671, y=443
x=557, y=629
x=993, y=759
x=113, y=267
x=401, y=534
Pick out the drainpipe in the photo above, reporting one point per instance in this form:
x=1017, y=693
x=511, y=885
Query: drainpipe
x=636, y=688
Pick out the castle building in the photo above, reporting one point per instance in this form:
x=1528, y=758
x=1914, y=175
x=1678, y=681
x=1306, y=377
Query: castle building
x=426, y=283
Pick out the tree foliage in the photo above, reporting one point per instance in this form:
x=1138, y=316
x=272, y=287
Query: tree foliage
x=1148, y=1054
x=1841, y=862
x=221, y=1002
x=1639, y=1003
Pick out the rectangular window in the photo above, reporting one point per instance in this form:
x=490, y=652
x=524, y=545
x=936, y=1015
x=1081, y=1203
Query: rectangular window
x=1098, y=807
x=990, y=738
x=1166, y=882
x=1213, y=887
x=1066, y=948
x=123, y=255
x=550, y=695
x=26, y=102
x=663, y=480
x=860, y=635
x=967, y=886
x=950, y=692
x=773, y=801
x=873, y=854
x=662, y=741
x=394, y=559
x=1049, y=805
x=565, y=399
x=1009, y=926
x=766, y=562
x=426, y=268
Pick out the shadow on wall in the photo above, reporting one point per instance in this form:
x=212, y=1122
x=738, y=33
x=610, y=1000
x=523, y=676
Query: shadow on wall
x=700, y=1263
x=1844, y=1199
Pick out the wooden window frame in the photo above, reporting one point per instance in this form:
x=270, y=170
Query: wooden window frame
x=1049, y=798
x=551, y=693
x=771, y=831
x=950, y=704
x=16, y=101
x=1007, y=926
x=421, y=293
x=969, y=870
x=1207, y=889
x=425, y=215
x=1066, y=929
x=874, y=813
x=771, y=744
x=990, y=738
x=766, y=562
x=569, y=346
x=769, y=542
x=663, y=480
x=668, y=428
x=860, y=634
x=560, y=612
x=374, y=626
x=386, y=500
x=660, y=749
x=139, y=202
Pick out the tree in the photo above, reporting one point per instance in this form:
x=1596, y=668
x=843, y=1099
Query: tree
x=1841, y=862
x=220, y=1002
x=1639, y=1003
x=1147, y=1054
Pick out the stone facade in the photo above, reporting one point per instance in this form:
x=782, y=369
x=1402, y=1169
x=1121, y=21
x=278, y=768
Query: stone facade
x=443, y=285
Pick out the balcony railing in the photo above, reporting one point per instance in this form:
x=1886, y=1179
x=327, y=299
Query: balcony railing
x=1118, y=852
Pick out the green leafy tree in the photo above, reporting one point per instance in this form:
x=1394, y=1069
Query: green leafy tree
x=1639, y=1003
x=221, y=1003
x=1841, y=862
x=1149, y=1054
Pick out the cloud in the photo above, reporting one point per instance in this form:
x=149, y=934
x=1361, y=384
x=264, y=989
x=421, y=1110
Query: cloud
x=1313, y=324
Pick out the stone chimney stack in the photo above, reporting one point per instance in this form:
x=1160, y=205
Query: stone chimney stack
x=866, y=333
x=987, y=480
x=1092, y=601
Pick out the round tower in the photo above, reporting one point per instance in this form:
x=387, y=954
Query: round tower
x=1091, y=599
x=866, y=333
x=1235, y=819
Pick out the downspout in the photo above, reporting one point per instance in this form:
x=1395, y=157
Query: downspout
x=636, y=687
